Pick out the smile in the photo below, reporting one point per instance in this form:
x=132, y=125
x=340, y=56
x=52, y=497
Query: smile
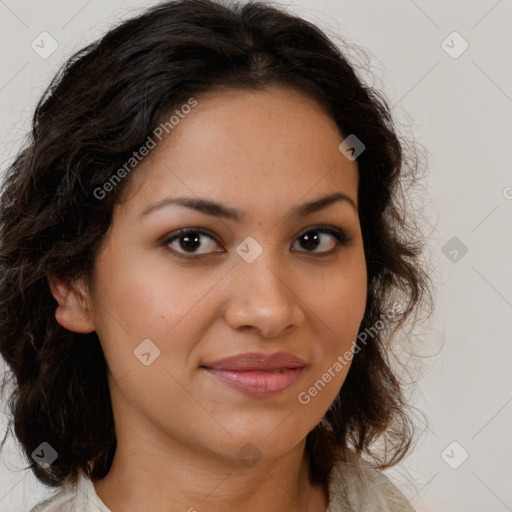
x=257, y=373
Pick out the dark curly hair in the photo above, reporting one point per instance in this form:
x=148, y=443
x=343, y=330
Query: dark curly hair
x=101, y=107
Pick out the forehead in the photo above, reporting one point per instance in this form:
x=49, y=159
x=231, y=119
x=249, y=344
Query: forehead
x=242, y=146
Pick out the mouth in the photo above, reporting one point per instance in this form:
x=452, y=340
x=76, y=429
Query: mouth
x=257, y=374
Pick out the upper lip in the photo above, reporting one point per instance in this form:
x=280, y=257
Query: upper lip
x=257, y=361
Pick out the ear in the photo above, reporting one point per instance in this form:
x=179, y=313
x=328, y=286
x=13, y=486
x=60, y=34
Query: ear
x=73, y=312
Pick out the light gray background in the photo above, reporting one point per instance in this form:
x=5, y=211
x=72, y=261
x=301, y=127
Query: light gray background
x=460, y=110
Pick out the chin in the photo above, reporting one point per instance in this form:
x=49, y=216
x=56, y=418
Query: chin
x=264, y=444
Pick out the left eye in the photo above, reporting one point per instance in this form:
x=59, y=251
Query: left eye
x=188, y=240
x=313, y=239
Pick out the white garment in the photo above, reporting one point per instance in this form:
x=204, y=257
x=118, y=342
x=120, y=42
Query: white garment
x=353, y=487
x=81, y=497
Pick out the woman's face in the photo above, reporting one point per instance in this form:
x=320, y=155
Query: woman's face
x=167, y=311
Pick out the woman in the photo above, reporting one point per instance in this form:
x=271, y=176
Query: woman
x=204, y=256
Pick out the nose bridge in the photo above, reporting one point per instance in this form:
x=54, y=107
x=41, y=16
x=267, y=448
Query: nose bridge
x=261, y=296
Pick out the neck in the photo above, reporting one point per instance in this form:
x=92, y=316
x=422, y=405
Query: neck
x=186, y=478
x=154, y=470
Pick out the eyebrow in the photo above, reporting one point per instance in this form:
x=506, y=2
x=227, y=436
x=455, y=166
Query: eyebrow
x=216, y=209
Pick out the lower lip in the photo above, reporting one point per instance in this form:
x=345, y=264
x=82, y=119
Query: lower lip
x=257, y=383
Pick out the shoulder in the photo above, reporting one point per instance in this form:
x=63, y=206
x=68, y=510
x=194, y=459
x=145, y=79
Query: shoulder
x=72, y=497
x=355, y=484
x=60, y=501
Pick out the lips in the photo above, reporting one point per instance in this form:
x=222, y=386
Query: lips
x=257, y=374
x=257, y=361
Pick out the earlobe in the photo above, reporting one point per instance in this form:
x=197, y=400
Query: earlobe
x=72, y=312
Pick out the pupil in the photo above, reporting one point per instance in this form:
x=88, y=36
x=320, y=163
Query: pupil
x=311, y=242
x=191, y=242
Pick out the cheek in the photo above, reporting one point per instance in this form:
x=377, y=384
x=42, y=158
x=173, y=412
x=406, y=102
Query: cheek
x=340, y=303
x=139, y=300
x=340, y=309
x=335, y=351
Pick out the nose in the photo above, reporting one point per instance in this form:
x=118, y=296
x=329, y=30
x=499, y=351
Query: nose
x=262, y=298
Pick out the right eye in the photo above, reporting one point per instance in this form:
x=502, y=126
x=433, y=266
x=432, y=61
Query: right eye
x=188, y=240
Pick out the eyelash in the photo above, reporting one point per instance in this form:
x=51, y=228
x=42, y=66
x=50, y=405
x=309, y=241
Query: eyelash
x=339, y=235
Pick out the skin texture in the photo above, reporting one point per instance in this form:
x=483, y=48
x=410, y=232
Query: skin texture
x=178, y=428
